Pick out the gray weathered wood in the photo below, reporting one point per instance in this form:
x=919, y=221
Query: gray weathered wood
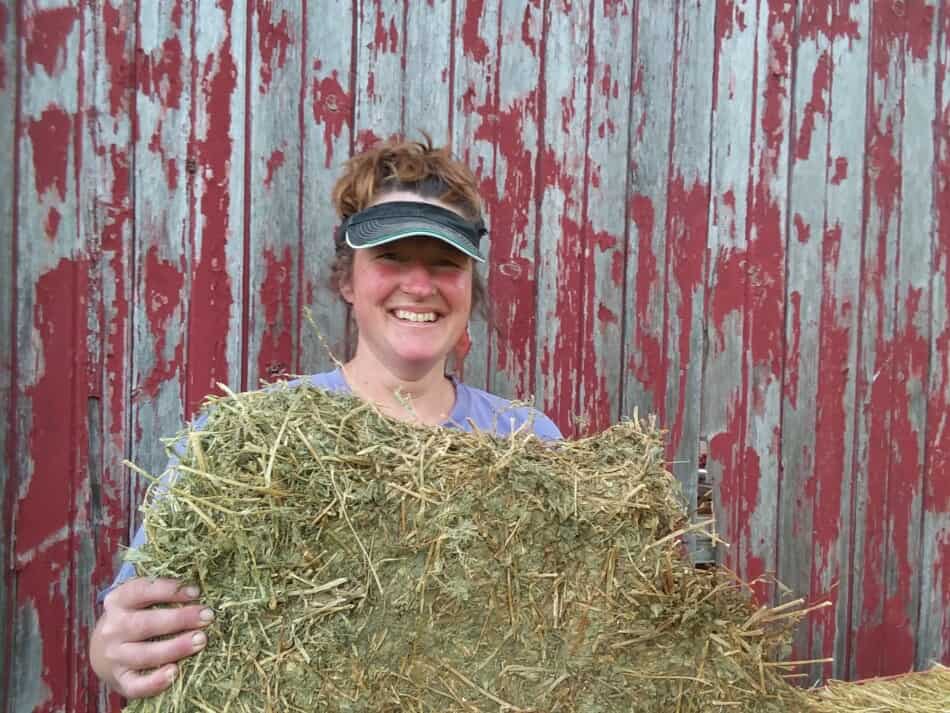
x=643, y=375
x=475, y=82
x=427, y=78
x=380, y=43
x=50, y=437
x=8, y=83
x=562, y=169
x=933, y=626
x=511, y=119
x=604, y=228
x=328, y=138
x=274, y=222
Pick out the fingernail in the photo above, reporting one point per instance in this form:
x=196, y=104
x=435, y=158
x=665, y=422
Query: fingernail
x=199, y=640
x=192, y=591
x=206, y=615
x=172, y=673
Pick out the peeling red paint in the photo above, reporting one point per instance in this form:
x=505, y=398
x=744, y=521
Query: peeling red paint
x=832, y=20
x=118, y=215
x=177, y=14
x=116, y=60
x=605, y=315
x=276, y=350
x=687, y=208
x=832, y=413
x=729, y=17
x=46, y=35
x=527, y=30
x=163, y=290
x=894, y=34
x=646, y=360
x=333, y=108
x=841, y=170
x=366, y=138
x=512, y=289
x=820, y=86
x=472, y=43
x=802, y=229
x=50, y=136
x=275, y=161
x=159, y=74
x=51, y=225
x=44, y=551
x=169, y=164
x=272, y=40
x=792, y=362
x=212, y=292
x=385, y=39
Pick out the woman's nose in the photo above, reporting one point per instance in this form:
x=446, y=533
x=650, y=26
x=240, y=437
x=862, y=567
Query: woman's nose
x=417, y=280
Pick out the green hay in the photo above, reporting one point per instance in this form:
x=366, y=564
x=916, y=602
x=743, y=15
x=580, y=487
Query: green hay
x=358, y=563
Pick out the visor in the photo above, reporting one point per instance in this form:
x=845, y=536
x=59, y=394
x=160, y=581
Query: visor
x=387, y=222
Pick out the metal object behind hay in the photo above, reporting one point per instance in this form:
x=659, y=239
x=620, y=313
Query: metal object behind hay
x=358, y=563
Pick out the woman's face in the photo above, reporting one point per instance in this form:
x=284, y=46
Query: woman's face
x=411, y=298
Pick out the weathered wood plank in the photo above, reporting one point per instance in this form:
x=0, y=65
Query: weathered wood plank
x=163, y=212
x=825, y=214
x=50, y=560
x=511, y=119
x=893, y=352
x=476, y=60
x=604, y=217
x=106, y=189
x=687, y=211
x=722, y=393
x=9, y=37
x=644, y=377
x=562, y=169
x=274, y=155
x=380, y=44
x=427, y=69
x=327, y=142
x=933, y=626
x=217, y=151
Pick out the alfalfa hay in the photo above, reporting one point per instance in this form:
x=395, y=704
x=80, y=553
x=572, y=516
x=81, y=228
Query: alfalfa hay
x=358, y=563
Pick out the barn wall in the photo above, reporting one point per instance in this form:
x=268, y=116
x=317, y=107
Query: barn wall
x=734, y=215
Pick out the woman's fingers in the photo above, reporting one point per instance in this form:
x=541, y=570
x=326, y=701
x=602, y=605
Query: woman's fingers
x=144, y=624
x=136, y=684
x=143, y=592
x=145, y=655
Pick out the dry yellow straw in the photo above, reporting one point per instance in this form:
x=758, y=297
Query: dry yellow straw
x=925, y=692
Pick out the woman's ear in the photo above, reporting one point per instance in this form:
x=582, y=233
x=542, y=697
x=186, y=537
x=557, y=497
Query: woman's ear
x=346, y=288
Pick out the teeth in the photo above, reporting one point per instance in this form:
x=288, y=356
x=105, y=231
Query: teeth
x=415, y=316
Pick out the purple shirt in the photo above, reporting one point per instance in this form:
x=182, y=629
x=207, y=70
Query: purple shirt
x=474, y=409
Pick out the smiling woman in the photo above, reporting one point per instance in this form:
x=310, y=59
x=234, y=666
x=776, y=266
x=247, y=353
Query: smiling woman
x=405, y=253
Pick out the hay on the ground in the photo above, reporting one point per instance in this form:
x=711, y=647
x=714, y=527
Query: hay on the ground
x=923, y=692
x=359, y=563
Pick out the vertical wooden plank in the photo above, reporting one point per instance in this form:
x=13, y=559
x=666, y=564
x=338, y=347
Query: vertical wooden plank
x=933, y=625
x=821, y=324
x=744, y=426
x=511, y=119
x=893, y=351
x=380, y=43
x=275, y=87
x=50, y=559
x=9, y=37
x=605, y=213
x=562, y=170
x=218, y=69
x=427, y=69
x=476, y=51
x=163, y=252
x=687, y=214
x=105, y=188
x=650, y=126
x=327, y=139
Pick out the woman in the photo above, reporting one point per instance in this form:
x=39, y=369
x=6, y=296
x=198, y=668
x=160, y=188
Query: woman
x=405, y=263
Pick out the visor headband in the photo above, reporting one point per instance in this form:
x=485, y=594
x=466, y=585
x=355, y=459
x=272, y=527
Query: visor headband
x=401, y=214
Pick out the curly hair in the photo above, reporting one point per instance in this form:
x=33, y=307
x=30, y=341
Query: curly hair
x=399, y=165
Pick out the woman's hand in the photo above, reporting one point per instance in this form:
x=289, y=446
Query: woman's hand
x=120, y=649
